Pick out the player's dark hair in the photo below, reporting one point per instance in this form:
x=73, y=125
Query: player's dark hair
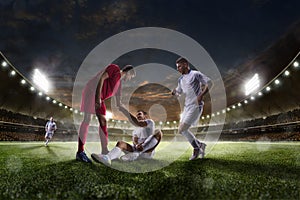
x=129, y=69
x=182, y=60
x=144, y=112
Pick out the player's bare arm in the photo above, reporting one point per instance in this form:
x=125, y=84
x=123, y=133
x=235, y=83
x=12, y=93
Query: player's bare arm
x=132, y=119
x=99, y=89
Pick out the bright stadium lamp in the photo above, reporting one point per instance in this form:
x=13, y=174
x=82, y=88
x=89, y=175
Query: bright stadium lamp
x=252, y=85
x=296, y=64
x=40, y=80
x=108, y=115
x=4, y=64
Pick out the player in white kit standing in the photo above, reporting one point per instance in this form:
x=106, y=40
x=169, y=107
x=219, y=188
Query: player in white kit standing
x=194, y=85
x=50, y=128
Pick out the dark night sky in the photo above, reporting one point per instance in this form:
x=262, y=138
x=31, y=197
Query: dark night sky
x=56, y=36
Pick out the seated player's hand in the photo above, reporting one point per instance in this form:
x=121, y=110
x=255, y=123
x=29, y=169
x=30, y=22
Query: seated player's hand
x=139, y=147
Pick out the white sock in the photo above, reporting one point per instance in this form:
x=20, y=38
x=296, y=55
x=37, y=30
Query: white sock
x=149, y=143
x=191, y=138
x=115, y=153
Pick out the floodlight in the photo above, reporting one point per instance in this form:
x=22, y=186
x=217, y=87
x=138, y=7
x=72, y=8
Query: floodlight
x=252, y=85
x=108, y=115
x=13, y=72
x=40, y=80
x=296, y=64
x=286, y=73
x=4, y=64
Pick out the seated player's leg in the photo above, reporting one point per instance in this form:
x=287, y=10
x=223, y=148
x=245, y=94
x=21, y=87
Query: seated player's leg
x=152, y=141
x=115, y=153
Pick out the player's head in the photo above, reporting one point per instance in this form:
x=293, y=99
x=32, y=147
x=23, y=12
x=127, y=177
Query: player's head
x=182, y=65
x=51, y=119
x=141, y=115
x=128, y=72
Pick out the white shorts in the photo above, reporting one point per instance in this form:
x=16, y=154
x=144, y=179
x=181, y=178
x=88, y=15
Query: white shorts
x=191, y=114
x=48, y=135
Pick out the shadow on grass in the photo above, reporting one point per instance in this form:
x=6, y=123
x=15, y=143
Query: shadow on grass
x=247, y=168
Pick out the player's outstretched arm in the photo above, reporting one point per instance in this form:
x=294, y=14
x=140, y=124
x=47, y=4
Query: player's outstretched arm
x=132, y=118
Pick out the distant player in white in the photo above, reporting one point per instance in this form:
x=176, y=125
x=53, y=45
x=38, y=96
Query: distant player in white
x=145, y=139
x=50, y=128
x=194, y=85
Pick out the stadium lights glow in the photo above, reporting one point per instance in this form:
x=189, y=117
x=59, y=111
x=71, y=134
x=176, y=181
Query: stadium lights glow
x=160, y=123
x=71, y=109
x=174, y=122
x=54, y=101
x=260, y=94
x=13, y=72
x=108, y=115
x=252, y=85
x=23, y=81
x=245, y=101
x=296, y=64
x=218, y=113
x=233, y=107
x=40, y=80
x=66, y=107
x=40, y=94
x=286, y=73
x=224, y=111
x=168, y=122
x=277, y=81
x=239, y=104
x=252, y=98
x=207, y=116
x=202, y=117
x=228, y=109
x=32, y=88
x=60, y=104
x=213, y=114
x=4, y=64
x=268, y=88
x=47, y=98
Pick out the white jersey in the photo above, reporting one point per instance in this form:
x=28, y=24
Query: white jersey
x=190, y=84
x=50, y=127
x=143, y=132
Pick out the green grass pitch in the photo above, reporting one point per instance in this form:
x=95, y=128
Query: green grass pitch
x=232, y=170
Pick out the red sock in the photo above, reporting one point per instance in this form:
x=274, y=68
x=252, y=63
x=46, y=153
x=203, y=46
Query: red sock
x=83, y=131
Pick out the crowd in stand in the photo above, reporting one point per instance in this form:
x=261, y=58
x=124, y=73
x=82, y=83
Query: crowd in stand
x=284, y=126
x=287, y=117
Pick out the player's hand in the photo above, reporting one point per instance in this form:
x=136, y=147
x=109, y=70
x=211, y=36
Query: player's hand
x=199, y=99
x=139, y=147
x=173, y=92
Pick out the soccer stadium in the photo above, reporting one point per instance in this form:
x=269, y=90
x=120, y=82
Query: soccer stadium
x=250, y=122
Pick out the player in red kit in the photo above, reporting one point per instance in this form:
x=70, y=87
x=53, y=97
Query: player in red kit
x=105, y=84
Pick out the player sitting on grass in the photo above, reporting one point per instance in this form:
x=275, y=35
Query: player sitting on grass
x=145, y=139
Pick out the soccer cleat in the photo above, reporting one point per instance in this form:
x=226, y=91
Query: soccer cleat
x=195, y=154
x=202, y=150
x=130, y=156
x=82, y=157
x=100, y=158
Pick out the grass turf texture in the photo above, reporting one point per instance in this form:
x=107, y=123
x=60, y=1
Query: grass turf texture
x=231, y=171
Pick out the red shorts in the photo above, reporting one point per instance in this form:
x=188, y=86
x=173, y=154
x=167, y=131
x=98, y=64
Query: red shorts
x=88, y=104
